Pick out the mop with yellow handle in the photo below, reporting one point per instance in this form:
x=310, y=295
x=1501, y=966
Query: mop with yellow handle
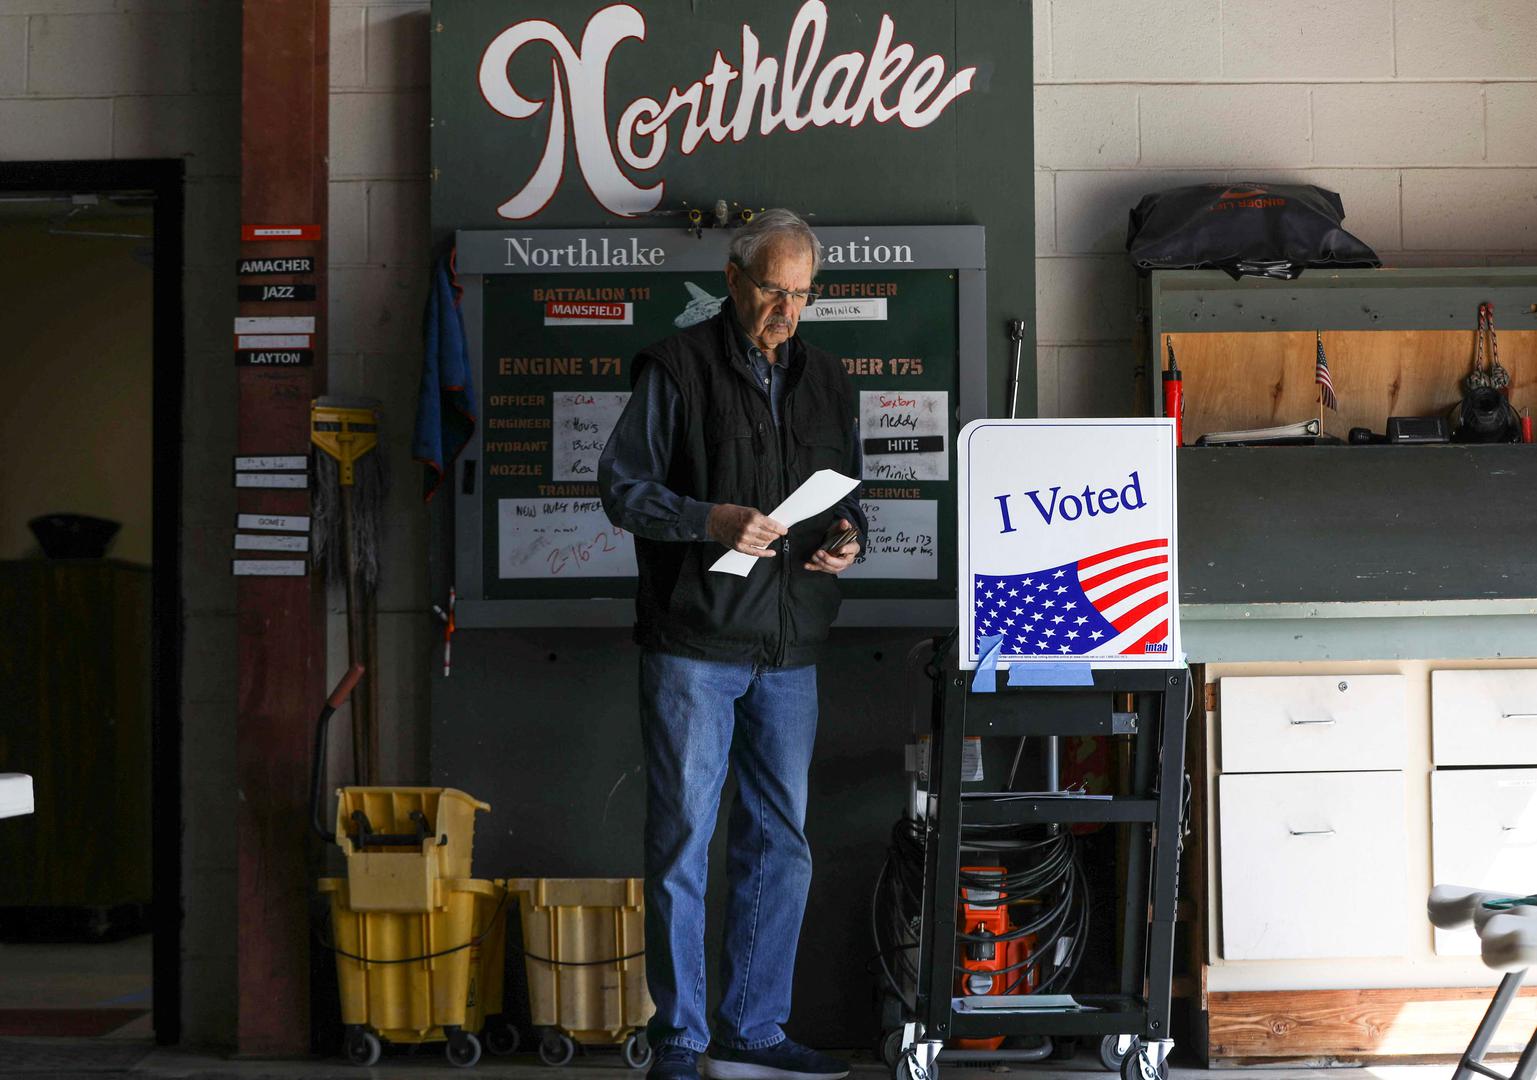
x=348, y=509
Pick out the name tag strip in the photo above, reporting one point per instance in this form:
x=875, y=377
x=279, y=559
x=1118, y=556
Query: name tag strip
x=292, y=264
x=269, y=567
x=262, y=542
x=274, y=341
x=268, y=294
x=275, y=324
x=274, y=357
x=272, y=480
x=275, y=522
x=911, y=444
x=278, y=463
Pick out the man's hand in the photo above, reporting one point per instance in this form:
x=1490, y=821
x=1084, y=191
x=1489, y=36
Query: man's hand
x=741, y=528
x=835, y=562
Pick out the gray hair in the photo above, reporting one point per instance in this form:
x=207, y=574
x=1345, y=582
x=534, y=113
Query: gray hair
x=768, y=228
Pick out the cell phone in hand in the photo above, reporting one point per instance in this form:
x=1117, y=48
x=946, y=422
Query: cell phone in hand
x=837, y=538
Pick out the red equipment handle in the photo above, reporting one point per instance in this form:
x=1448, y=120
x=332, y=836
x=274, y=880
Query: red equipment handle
x=344, y=688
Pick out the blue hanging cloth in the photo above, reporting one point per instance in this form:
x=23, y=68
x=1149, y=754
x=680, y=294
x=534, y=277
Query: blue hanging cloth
x=445, y=404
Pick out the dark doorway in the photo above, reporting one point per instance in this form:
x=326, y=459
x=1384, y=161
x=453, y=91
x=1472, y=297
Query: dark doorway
x=98, y=679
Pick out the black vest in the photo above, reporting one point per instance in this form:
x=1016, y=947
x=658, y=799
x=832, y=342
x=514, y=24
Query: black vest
x=732, y=453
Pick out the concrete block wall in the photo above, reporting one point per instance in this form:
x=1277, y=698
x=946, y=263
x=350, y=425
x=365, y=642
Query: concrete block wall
x=1422, y=114
x=90, y=79
x=380, y=261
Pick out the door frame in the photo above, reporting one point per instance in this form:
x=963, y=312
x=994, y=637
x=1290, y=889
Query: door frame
x=164, y=178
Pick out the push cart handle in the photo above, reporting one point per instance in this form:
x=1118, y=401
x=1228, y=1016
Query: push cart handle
x=318, y=759
x=344, y=688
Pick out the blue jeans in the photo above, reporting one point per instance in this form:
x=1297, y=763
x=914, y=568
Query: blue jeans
x=697, y=717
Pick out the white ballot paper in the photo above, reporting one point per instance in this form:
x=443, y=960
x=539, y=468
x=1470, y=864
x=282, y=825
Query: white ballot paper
x=823, y=488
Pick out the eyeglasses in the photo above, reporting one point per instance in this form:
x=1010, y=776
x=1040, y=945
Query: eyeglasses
x=798, y=297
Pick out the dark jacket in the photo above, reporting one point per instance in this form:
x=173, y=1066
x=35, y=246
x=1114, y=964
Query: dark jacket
x=731, y=453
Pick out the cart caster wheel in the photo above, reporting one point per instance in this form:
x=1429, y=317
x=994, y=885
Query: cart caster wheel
x=556, y=1049
x=501, y=1038
x=891, y=1048
x=463, y=1051
x=1063, y=1048
x=1112, y=1050
x=907, y=1069
x=363, y=1048
x=637, y=1054
x=1136, y=1065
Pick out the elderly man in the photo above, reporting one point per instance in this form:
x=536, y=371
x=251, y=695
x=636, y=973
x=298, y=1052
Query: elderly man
x=728, y=417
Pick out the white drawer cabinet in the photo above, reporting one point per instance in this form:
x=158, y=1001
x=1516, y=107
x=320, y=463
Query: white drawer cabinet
x=1483, y=825
x=1312, y=723
x=1485, y=717
x=1312, y=865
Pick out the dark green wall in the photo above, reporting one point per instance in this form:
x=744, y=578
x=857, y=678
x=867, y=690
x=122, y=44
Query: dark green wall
x=543, y=724
x=972, y=166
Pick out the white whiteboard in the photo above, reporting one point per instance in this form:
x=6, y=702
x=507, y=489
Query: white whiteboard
x=902, y=542
x=560, y=538
x=894, y=423
x=583, y=421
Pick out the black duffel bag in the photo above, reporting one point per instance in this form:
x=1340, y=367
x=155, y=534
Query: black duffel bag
x=1244, y=228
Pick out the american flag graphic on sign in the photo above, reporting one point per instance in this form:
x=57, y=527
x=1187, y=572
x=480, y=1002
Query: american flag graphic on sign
x=1115, y=602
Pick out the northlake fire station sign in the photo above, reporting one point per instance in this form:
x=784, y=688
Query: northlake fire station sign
x=1067, y=543
x=624, y=108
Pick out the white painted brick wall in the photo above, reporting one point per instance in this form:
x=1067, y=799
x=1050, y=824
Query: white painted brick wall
x=1127, y=40
x=1512, y=123
x=380, y=258
x=1422, y=114
x=144, y=53
x=1238, y=125
x=13, y=54
x=1307, y=39
x=1466, y=39
x=1389, y=123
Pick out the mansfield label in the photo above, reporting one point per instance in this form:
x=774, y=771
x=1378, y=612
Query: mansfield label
x=569, y=313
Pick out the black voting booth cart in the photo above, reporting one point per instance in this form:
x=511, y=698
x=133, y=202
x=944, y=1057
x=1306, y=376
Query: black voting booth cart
x=1152, y=807
x=1068, y=626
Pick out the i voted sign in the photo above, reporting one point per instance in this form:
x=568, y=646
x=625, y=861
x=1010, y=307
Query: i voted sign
x=1067, y=542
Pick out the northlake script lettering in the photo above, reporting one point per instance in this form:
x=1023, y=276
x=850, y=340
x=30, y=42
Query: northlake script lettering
x=1107, y=500
x=793, y=90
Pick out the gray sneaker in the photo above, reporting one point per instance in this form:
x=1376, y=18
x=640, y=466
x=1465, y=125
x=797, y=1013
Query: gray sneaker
x=673, y=1062
x=785, y=1060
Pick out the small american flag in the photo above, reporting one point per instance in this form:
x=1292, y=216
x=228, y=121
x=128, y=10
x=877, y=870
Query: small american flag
x=1321, y=377
x=1113, y=602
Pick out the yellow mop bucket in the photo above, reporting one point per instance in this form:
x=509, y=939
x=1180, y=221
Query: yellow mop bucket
x=425, y=976
x=584, y=942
